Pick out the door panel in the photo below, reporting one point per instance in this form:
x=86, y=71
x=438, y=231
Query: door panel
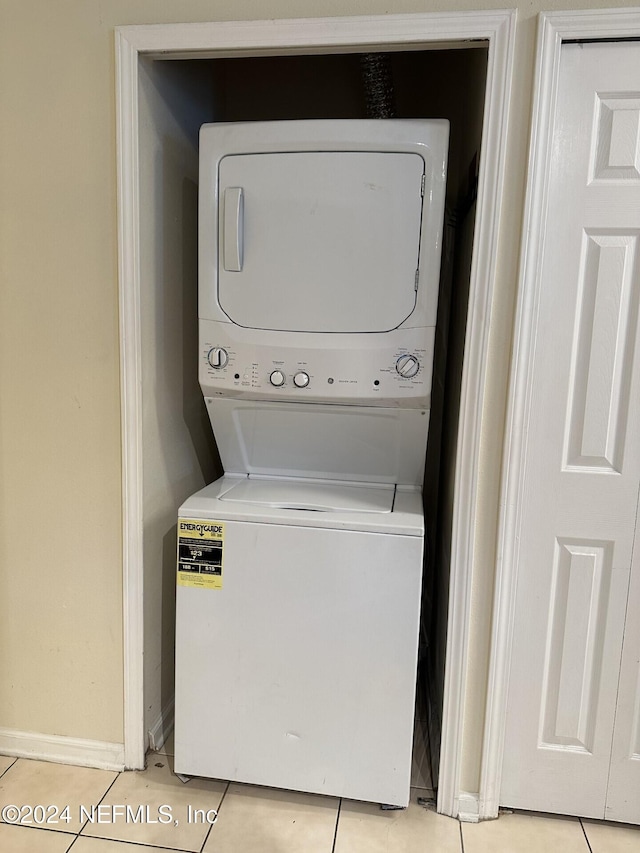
x=603, y=356
x=582, y=473
x=319, y=230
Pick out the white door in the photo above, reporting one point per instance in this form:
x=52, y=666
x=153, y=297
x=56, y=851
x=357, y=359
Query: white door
x=573, y=729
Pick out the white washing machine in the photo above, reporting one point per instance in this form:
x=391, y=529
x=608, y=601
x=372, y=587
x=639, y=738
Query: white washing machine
x=299, y=571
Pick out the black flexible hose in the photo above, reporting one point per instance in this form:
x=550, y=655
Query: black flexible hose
x=378, y=85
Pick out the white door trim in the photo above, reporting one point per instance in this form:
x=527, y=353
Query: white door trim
x=130, y=398
x=554, y=28
x=301, y=36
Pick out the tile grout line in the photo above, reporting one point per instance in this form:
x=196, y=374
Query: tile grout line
x=335, y=832
x=37, y=828
x=461, y=837
x=76, y=835
x=208, y=833
x=100, y=802
x=586, y=837
x=6, y=769
x=144, y=845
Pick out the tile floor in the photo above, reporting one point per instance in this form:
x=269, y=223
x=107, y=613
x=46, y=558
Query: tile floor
x=261, y=820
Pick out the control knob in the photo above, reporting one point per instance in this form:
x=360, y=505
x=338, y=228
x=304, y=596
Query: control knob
x=277, y=378
x=407, y=366
x=301, y=379
x=218, y=357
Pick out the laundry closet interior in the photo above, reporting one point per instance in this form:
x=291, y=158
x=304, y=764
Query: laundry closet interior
x=178, y=450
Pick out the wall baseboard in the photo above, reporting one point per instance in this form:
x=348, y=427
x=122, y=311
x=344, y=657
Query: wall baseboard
x=62, y=750
x=162, y=728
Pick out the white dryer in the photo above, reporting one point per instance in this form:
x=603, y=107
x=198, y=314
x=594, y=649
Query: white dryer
x=299, y=571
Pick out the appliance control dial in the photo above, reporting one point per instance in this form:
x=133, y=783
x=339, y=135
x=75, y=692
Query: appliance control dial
x=218, y=357
x=301, y=379
x=277, y=378
x=407, y=366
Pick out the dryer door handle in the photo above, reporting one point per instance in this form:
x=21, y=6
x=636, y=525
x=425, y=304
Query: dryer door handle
x=233, y=229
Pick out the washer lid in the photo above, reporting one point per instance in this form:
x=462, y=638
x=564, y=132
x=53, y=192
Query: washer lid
x=405, y=519
x=321, y=497
x=319, y=241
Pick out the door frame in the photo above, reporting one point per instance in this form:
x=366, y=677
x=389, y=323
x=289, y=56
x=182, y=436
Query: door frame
x=554, y=28
x=312, y=36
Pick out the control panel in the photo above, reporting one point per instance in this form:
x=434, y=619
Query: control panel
x=393, y=372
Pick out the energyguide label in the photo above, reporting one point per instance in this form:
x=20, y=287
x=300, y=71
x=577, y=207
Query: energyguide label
x=200, y=553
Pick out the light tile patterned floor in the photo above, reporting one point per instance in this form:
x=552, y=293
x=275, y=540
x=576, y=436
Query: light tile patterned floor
x=259, y=819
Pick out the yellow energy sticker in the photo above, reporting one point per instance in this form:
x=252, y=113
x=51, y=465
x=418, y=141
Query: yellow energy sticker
x=200, y=553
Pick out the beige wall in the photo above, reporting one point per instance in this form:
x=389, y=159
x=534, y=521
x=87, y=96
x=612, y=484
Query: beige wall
x=60, y=463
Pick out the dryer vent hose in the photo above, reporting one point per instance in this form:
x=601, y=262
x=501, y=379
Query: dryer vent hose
x=378, y=85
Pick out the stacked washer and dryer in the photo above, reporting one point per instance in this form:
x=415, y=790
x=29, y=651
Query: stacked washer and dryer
x=299, y=571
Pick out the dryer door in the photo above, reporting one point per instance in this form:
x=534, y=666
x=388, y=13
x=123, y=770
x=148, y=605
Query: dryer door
x=319, y=241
